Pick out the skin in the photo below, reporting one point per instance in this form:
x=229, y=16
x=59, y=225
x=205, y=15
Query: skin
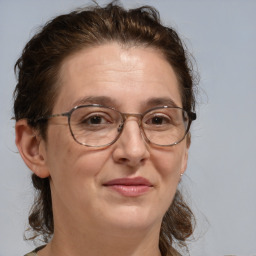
x=90, y=218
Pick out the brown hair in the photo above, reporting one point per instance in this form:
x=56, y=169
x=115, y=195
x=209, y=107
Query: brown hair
x=37, y=72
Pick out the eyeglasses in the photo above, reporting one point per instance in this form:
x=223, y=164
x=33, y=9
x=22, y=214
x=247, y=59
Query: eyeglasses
x=99, y=126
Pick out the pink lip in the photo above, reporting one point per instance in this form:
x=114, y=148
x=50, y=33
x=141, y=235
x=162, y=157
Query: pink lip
x=130, y=186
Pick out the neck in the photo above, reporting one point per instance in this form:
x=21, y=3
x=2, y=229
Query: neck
x=125, y=243
x=79, y=234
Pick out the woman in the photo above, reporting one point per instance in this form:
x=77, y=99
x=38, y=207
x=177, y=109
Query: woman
x=103, y=106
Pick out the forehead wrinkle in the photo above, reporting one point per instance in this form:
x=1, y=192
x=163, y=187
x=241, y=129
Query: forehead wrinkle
x=133, y=73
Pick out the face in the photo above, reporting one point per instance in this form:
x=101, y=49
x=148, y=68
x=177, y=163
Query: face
x=130, y=184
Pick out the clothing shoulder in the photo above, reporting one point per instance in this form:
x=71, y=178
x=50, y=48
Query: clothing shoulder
x=34, y=253
x=31, y=254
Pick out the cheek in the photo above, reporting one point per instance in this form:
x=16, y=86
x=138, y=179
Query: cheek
x=65, y=156
x=59, y=147
x=89, y=162
x=73, y=168
x=169, y=162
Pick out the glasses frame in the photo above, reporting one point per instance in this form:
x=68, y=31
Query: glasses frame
x=191, y=117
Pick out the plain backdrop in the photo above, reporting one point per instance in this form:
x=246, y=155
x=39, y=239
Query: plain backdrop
x=221, y=175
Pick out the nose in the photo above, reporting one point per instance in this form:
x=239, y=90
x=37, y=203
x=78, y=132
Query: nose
x=131, y=148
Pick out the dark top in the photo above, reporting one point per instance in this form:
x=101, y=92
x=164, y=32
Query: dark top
x=33, y=253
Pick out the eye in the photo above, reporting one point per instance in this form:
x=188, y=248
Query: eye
x=96, y=119
x=158, y=119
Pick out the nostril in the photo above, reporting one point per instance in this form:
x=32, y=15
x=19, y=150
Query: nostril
x=123, y=160
x=131, y=162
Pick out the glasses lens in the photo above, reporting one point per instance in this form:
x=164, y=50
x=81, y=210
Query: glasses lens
x=95, y=126
x=165, y=126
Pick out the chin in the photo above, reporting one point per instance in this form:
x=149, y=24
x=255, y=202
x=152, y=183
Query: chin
x=134, y=218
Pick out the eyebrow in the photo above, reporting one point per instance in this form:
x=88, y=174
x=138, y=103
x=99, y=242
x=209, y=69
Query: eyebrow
x=154, y=102
x=109, y=102
x=101, y=100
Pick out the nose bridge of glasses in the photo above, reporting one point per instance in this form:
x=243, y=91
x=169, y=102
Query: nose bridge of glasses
x=132, y=116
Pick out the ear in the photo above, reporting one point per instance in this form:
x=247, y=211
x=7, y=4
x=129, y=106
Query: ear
x=185, y=157
x=32, y=148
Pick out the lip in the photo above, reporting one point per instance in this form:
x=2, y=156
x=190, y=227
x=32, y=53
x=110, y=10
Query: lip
x=130, y=187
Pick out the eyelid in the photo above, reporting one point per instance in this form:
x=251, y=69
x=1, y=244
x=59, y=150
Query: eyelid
x=160, y=108
x=156, y=114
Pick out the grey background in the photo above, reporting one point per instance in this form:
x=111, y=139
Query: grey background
x=221, y=175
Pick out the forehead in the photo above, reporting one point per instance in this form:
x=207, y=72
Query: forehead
x=126, y=76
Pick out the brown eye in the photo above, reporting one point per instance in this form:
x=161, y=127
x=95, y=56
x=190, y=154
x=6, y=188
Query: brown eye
x=158, y=119
x=95, y=120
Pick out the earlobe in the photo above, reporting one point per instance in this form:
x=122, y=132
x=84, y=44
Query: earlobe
x=31, y=148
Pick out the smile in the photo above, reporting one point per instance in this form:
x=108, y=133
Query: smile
x=130, y=187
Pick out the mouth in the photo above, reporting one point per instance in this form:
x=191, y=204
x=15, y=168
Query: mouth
x=130, y=187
